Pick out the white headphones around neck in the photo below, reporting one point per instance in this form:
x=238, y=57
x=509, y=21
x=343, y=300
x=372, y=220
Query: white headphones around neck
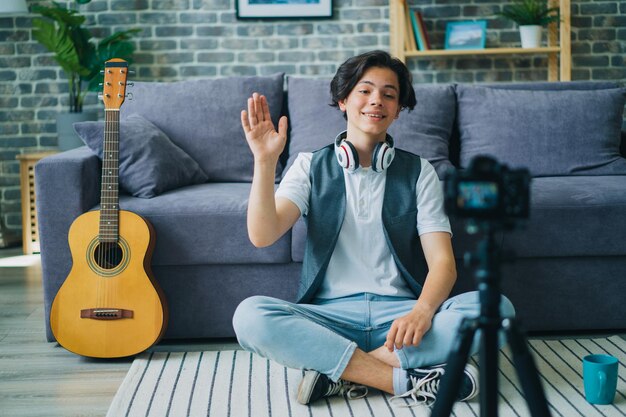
x=348, y=157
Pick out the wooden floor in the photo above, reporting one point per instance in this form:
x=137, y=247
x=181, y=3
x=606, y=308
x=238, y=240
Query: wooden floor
x=38, y=378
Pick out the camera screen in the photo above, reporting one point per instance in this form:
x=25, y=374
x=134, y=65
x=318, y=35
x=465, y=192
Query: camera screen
x=477, y=195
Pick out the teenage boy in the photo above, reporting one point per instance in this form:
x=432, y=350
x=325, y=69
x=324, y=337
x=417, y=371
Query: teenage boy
x=376, y=230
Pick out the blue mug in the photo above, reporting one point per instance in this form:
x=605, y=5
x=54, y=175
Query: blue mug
x=600, y=378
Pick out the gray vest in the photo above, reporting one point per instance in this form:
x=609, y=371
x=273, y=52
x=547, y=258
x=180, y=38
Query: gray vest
x=327, y=208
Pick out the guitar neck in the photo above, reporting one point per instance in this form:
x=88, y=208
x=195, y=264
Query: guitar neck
x=109, y=194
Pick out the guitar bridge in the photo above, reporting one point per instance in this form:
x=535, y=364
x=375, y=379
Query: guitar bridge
x=106, y=313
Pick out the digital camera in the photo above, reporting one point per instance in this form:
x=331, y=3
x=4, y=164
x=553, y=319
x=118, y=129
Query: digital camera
x=488, y=190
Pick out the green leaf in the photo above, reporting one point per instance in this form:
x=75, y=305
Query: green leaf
x=57, y=40
x=60, y=30
x=60, y=14
x=530, y=12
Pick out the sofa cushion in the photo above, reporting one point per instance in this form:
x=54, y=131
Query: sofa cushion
x=573, y=216
x=149, y=163
x=424, y=131
x=569, y=132
x=554, y=85
x=313, y=123
x=205, y=224
x=203, y=118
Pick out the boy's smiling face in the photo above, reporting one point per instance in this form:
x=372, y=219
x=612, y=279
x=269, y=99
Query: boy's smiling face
x=373, y=104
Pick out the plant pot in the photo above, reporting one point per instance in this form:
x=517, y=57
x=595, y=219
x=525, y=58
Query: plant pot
x=68, y=139
x=530, y=35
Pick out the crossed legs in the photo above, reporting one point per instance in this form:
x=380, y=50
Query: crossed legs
x=343, y=340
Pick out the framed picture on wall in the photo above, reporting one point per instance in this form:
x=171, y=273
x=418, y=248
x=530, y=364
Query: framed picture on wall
x=279, y=9
x=466, y=35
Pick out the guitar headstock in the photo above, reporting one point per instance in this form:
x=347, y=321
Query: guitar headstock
x=114, y=87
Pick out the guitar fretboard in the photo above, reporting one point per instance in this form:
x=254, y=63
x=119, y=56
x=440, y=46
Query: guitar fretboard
x=109, y=194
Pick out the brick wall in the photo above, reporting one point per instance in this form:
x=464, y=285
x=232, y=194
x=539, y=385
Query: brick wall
x=184, y=39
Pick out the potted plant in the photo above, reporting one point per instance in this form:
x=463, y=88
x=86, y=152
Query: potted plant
x=61, y=30
x=531, y=16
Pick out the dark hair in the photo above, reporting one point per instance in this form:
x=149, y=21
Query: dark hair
x=351, y=71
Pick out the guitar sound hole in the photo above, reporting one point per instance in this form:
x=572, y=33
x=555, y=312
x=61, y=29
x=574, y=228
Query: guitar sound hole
x=108, y=255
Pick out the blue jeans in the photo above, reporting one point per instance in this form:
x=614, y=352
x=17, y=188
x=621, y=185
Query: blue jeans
x=323, y=335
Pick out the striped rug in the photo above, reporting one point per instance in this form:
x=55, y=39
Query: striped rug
x=241, y=384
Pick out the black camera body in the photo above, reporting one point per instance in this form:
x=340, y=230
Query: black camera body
x=488, y=190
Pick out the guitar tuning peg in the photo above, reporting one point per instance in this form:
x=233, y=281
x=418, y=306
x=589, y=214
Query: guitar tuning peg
x=129, y=96
x=100, y=97
x=102, y=72
x=131, y=72
x=130, y=84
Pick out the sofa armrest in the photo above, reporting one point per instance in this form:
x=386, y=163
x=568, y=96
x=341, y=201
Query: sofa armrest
x=66, y=185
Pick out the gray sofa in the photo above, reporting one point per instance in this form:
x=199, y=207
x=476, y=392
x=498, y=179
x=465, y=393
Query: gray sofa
x=569, y=268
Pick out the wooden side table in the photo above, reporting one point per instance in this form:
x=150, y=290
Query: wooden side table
x=30, y=233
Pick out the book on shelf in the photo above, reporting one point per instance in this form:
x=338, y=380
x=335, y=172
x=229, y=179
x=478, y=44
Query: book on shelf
x=410, y=43
x=416, y=31
x=423, y=32
x=419, y=28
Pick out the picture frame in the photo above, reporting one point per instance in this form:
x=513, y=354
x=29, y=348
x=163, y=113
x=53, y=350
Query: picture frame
x=284, y=9
x=466, y=34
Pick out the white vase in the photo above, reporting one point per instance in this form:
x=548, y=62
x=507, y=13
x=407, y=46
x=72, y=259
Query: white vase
x=68, y=138
x=531, y=36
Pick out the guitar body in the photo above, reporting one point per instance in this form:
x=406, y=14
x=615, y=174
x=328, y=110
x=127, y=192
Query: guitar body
x=109, y=306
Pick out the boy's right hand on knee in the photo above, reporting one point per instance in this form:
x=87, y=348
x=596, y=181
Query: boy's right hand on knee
x=408, y=330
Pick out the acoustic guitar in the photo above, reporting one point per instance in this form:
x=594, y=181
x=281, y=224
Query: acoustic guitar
x=110, y=305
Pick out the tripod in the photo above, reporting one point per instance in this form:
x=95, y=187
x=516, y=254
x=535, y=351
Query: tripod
x=490, y=323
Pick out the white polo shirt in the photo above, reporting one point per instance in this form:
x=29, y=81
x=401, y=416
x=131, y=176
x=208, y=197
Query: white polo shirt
x=362, y=261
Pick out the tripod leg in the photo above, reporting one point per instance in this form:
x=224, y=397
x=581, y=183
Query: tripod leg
x=451, y=380
x=488, y=360
x=526, y=370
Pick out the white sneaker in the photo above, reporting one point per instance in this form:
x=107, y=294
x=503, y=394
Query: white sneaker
x=423, y=385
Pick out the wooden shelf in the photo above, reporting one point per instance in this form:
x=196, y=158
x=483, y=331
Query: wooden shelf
x=486, y=51
x=558, y=49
